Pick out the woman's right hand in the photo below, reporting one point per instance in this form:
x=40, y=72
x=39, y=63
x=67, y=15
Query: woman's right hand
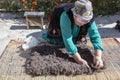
x=80, y=60
x=84, y=62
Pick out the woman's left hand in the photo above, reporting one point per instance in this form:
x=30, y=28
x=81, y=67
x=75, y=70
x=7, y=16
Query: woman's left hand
x=98, y=62
x=98, y=59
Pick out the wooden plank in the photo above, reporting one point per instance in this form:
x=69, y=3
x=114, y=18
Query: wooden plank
x=74, y=77
x=106, y=55
x=4, y=67
x=15, y=63
x=113, y=55
x=83, y=77
x=35, y=21
x=2, y=78
x=110, y=43
x=110, y=56
x=28, y=78
x=100, y=76
x=111, y=75
x=89, y=77
x=80, y=77
x=27, y=23
x=104, y=41
x=9, y=59
x=110, y=72
x=6, y=78
x=51, y=78
x=60, y=77
x=35, y=18
x=111, y=49
x=38, y=78
x=118, y=53
x=107, y=47
x=113, y=41
x=31, y=14
x=116, y=66
x=66, y=77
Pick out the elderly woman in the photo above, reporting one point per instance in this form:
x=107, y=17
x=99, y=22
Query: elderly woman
x=70, y=31
x=71, y=27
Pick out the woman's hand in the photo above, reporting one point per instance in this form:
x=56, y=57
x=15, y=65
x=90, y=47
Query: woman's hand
x=98, y=59
x=98, y=62
x=79, y=60
x=84, y=62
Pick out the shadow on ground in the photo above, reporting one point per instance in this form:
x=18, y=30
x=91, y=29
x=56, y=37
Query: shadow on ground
x=109, y=32
x=104, y=32
x=38, y=34
x=15, y=27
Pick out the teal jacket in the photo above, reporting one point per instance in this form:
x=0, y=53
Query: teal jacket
x=68, y=35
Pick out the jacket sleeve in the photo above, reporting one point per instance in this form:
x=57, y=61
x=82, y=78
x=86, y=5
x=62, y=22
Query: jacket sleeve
x=65, y=25
x=95, y=37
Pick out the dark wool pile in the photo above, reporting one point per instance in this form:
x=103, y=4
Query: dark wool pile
x=52, y=60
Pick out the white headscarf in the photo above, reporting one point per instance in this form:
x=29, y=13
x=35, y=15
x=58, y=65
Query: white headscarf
x=83, y=9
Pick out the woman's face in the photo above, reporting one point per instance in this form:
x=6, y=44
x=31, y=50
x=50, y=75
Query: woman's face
x=78, y=21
